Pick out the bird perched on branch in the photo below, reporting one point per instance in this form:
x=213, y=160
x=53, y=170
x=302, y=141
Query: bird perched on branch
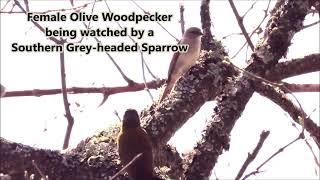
x=133, y=140
x=181, y=62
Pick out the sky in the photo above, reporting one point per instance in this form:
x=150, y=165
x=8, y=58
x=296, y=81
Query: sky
x=40, y=121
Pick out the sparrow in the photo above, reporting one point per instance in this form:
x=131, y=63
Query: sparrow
x=182, y=62
x=133, y=140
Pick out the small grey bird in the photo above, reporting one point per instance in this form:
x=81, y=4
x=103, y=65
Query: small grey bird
x=182, y=62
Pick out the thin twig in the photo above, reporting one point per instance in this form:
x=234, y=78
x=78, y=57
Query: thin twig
x=37, y=24
x=125, y=77
x=182, y=22
x=5, y=5
x=313, y=154
x=255, y=29
x=245, y=14
x=26, y=2
x=126, y=166
x=310, y=147
x=302, y=87
x=240, y=23
x=39, y=171
x=146, y=12
x=115, y=112
x=252, y=156
x=232, y=34
x=65, y=102
x=134, y=41
x=310, y=25
x=77, y=9
x=80, y=90
x=143, y=63
x=301, y=136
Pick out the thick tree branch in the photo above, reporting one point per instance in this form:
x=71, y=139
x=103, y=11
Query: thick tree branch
x=307, y=64
x=208, y=42
x=280, y=98
x=94, y=158
x=203, y=81
x=286, y=21
x=302, y=87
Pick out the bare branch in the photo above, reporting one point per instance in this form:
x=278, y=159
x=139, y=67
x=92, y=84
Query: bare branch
x=302, y=87
x=5, y=5
x=128, y=80
x=252, y=156
x=146, y=12
x=240, y=23
x=36, y=23
x=182, y=22
x=310, y=25
x=313, y=153
x=307, y=64
x=79, y=90
x=232, y=102
x=26, y=2
x=76, y=9
x=301, y=136
x=143, y=62
x=126, y=166
x=39, y=170
x=278, y=97
x=65, y=102
x=254, y=3
x=256, y=30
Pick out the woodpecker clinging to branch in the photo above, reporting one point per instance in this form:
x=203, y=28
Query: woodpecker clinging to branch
x=133, y=140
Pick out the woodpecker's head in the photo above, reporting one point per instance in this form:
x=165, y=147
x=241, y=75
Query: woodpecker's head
x=131, y=119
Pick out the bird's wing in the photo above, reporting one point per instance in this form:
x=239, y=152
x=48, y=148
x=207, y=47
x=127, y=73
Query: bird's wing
x=173, y=64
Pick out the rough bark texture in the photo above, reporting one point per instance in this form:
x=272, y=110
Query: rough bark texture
x=212, y=77
x=307, y=64
x=94, y=158
x=203, y=81
x=279, y=97
x=285, y=22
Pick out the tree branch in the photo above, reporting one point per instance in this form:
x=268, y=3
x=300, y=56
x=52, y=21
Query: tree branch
x=240, y=23
x=294, y=111
x=65, y=102
x=232, y=102
x=302, y=87
x=252, y=156
x=202, y=82
x=36, y=23
x=182, y=22
x=307, y=64
x=79, y=90
x=94, y=158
